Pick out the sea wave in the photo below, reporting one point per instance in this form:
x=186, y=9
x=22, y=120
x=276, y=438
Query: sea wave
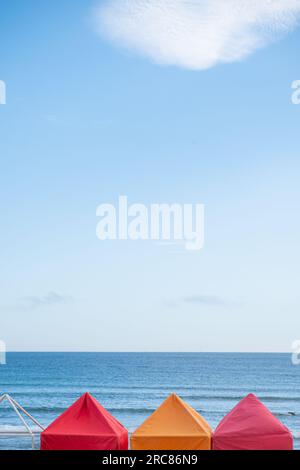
x=159, y=395
x=65, y=388
x=56, y=410
x=9, y=429
x=239, y=397
x=37, y=409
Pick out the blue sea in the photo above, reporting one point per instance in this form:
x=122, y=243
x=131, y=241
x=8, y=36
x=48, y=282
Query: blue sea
x=132, y=385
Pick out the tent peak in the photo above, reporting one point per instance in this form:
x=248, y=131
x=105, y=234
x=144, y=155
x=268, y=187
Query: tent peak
x=251, y=395
x=173, y=396
x=87, y=395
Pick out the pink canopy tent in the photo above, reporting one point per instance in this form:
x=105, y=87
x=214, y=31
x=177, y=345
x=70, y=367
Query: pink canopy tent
x=251, y=426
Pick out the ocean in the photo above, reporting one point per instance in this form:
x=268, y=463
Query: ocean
x=132, y=385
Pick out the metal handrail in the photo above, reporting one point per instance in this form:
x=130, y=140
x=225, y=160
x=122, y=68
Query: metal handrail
x=16, y=407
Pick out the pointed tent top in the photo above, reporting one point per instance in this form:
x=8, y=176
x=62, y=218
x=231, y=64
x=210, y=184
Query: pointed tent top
x=251, y=396
x=174, y=417
x=85, y=415
x=250, y=417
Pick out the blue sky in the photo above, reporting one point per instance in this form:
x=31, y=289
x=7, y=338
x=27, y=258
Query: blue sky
x=87, y=121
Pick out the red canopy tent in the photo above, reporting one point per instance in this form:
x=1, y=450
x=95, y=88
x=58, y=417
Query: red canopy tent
x=251, y=426
x=86, y=425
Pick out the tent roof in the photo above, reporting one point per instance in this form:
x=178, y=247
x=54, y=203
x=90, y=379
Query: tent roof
x=174, y=417
x=85, y=417
x=250, y=417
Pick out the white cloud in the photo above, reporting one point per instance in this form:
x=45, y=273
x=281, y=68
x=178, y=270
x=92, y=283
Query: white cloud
x=196, y=34
x=52, y=298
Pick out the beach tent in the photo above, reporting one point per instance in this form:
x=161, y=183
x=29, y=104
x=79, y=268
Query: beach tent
x=86, y=425
x=173, y=426
x=251, y=426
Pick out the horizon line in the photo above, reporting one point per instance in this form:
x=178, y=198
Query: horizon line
x=148, y=352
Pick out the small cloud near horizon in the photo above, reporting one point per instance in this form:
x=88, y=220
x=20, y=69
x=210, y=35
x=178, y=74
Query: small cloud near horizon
x=212, y=300
x=196, y=35
x=205, y=300
x=50, y=299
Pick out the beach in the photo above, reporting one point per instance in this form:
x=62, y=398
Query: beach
x=132, y=385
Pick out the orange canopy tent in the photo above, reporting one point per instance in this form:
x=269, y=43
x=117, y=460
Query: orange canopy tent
x=86, y=425
x=173, y=426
